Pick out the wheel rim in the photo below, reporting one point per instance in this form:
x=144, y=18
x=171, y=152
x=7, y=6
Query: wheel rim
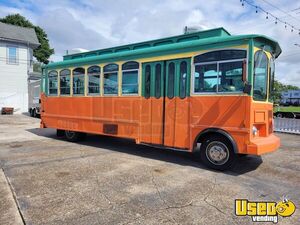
x=217, y=153
x=70, y=134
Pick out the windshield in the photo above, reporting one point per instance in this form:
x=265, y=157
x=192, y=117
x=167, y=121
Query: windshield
x=260, y=76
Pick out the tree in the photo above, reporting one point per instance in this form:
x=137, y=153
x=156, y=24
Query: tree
x=43, y=52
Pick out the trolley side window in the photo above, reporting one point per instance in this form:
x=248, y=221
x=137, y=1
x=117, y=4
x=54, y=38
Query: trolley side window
x=53, y=84
x=130, y=72
x=65, y=81
x=93, y=73
x=78, y=81
x=111, y=86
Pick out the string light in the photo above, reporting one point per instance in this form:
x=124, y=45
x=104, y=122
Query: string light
x=268, y=14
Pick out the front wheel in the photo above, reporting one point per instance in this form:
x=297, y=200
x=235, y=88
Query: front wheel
x=74, y=136
x=217, y=153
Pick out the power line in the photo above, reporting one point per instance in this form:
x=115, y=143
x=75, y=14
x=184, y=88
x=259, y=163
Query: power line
x=268, y=15
x=296, y=9
x=274, y=6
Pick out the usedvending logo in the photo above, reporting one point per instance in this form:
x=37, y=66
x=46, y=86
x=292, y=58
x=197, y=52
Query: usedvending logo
x=264, y=211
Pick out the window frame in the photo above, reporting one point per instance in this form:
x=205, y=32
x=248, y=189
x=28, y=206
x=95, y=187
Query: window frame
x=138, y=79
x=7, y=55
x=88, y=77
x=181, y=79
x=271, y=76
x=146, y=84
x=168, y=80
x=76, y=75
x=57, y=80
x=110, y=72
x=70, y=74
x=192, y=87
x=156, y=91
x=267, y=76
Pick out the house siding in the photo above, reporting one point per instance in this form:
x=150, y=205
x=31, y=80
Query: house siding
x=14, y=85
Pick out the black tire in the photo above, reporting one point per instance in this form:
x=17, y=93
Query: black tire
x=74, y=136
x=60, y=133
x=31, y=112
x=34, y=113
x=279, y=115
x=217, y=153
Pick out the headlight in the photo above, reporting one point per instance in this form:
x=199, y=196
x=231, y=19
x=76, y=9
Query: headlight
x=254, y=131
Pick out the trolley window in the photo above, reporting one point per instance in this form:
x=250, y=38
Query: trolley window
x=147, y=81
x=111, y=86
x=158, y=80
x=93, y=80
x=260, y=76
x=65, y=82
x=52, y=82
x=182, y=81
x=171, y=80
x=130, y=72
x=78, y=81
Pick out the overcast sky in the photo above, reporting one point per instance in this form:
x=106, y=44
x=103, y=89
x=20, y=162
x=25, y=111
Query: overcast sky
x=95, y=24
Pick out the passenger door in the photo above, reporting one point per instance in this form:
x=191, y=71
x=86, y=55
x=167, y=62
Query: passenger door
x=176, y=108
x=165, y=103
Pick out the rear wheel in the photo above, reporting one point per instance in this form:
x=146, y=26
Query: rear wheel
x=217, y=152
x=60, y=133
x=31, y=112
x=74, y=136
x=34, y=113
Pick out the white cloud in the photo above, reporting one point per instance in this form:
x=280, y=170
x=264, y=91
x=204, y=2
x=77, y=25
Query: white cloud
x=94, y=24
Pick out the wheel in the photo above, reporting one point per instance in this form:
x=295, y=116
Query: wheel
x=31, y=112
x=74, y=136
x=34, y=113
x=279, y=115
x=60, y=133
x=217, y=152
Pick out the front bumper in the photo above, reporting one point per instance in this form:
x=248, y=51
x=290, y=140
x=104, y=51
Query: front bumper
x=262, y=145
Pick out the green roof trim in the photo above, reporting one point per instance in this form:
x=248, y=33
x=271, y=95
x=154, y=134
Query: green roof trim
x=217, y=32
x=216, y=38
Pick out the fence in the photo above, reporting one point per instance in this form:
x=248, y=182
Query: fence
x=287, y=125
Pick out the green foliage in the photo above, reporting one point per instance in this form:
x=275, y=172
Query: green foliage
x=278, y=88
x=43, y=52
x=37, y=67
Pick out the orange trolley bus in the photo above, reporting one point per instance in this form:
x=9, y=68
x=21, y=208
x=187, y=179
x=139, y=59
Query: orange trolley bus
x=207, y=89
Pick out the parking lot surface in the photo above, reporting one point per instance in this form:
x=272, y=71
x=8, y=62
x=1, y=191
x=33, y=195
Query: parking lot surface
x=104, y=180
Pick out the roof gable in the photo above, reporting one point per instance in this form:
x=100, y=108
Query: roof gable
x=19, y=34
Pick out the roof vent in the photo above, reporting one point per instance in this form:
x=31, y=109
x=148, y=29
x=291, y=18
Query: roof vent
x=192, y=29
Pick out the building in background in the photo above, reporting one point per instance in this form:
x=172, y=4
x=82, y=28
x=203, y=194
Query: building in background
x=16, y=65
x=291, y=97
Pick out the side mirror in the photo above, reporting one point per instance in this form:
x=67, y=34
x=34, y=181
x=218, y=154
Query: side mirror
x=247, y=88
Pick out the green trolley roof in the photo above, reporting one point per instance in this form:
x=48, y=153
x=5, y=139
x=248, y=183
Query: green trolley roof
x=171, y=45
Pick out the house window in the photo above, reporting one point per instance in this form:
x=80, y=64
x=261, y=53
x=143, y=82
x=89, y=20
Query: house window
x=12, y=55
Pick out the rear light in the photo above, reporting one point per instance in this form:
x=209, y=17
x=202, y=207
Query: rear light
x=254, y=131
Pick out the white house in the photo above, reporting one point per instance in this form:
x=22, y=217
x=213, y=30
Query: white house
x=16, y=65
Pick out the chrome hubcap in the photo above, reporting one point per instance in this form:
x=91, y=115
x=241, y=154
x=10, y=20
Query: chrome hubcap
x=217, y=153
